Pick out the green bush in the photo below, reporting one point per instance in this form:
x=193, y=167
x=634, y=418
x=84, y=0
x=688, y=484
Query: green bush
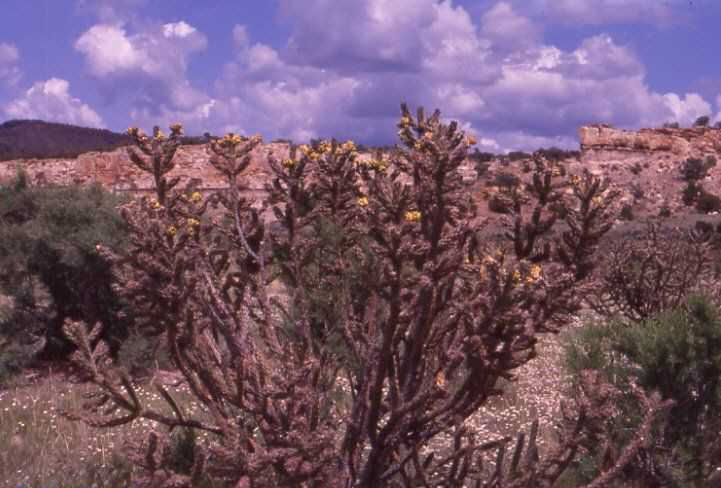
x=500, y=204
x=693, y=169
x=702, y=121
x=636, y=168
x=708, y=202
x=556, y=154
x=690, y=193
x=506, y=180
x=47, y=239
x=518, y=155
x=637, y=191
x=627, y=212
x=678, y=354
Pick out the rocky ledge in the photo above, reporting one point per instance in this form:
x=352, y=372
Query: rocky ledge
x=604, y=142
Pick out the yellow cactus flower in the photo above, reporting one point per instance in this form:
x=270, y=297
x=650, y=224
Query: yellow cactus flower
x=348, y=146
x=575, y=179
x=516, y=276
x=177, y=128
x=598, y=200
x=412, y=216
x=534, y=274
x=324, y=147
x=195, y=197
x=488, y=260
x=535, y=271
x=288, y=163
x=379, y=166
x=193, y=223
x=363, y=201
x=404, y=121
x=417, y=146
x=155, y=204
x=172, y=230
x=159, y=136
x=441, y=380
x=231, y=139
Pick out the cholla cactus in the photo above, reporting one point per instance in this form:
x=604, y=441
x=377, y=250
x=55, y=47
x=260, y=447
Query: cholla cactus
x=395, y=326
x=160, y=152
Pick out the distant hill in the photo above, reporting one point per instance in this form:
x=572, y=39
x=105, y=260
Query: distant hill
x=37, y=139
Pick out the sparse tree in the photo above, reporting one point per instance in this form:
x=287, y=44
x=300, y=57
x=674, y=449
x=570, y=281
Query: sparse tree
x=702, y=121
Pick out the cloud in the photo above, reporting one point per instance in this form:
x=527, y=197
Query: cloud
x=109, y=51
x=160, y=52
x=355, y=82
x=9, y=71
x=598, y=57
x=383, y=36
x=686, y=110
x=497, y=78
x=492, y=72
x=597, y=12
x=150, y=64
x=548, y=91
x=51, y=101
x=109, y=11
x=507, y=29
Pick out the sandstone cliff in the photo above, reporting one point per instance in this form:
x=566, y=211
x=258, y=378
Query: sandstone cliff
x=115, y=171
x=603, y=142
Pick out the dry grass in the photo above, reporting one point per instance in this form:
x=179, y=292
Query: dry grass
x=46, y=450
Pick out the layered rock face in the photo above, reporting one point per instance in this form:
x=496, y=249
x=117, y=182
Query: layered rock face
x=645, y=164
x=606, y=143
x=116, y=172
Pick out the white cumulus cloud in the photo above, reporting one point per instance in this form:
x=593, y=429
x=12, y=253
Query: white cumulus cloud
x=51, y=101
x=159, y=53
x=687, y=109
x=108, y=50
x=9, y=57
x=150, y=63
x=508, y=29
x=346, y=67
x=178, y=29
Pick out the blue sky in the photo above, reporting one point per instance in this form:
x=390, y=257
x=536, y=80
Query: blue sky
x=518, y=74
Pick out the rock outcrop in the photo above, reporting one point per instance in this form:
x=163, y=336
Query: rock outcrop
x=116, y=172
x=600, y=142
